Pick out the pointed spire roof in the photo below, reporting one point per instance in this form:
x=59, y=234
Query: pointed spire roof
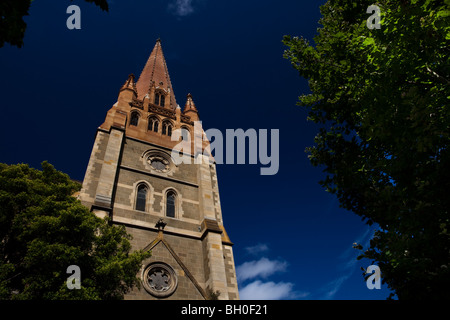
x=190, y=105
x=155, y=73
x=129, y=84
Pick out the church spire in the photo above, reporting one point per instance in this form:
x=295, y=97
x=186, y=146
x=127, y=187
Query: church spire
x=155, y=77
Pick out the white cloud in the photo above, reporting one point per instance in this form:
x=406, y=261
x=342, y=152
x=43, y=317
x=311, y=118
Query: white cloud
x=258, y=290
x=264, y=268
x=181, y=7
x=257, y=249
x=260, y=268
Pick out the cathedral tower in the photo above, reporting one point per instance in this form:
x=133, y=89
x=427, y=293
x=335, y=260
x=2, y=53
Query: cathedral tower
x=170, y=208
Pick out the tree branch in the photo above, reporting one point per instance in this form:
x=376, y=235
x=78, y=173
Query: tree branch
x=435, y=74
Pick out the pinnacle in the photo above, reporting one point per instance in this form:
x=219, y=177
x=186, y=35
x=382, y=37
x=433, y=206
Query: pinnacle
x=190, y=105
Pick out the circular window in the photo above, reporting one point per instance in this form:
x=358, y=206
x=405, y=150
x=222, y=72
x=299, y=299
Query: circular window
x=159, y=280
x=158, y=163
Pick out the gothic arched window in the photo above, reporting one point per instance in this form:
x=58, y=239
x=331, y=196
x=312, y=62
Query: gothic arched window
x=153, y=124
x=185, y=134
x=134, y=119
x=171, y=198
x=167, y=128
x=160, y=98
x=141, y=197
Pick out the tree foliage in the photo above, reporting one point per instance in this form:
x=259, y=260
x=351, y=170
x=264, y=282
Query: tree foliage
x=44, y=230
x=12, y=25
x=381, y=97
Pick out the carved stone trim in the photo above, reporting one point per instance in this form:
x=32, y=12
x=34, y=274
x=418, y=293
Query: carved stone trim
x=137, y=104
x=186, y=119
x=162, y=111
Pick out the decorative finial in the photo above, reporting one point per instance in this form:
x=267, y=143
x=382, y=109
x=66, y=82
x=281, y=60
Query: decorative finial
x=160, y=224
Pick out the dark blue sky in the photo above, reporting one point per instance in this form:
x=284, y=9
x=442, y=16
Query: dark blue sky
x=291, y=239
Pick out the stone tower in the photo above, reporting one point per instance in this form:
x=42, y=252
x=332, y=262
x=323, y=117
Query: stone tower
x=170, y=208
